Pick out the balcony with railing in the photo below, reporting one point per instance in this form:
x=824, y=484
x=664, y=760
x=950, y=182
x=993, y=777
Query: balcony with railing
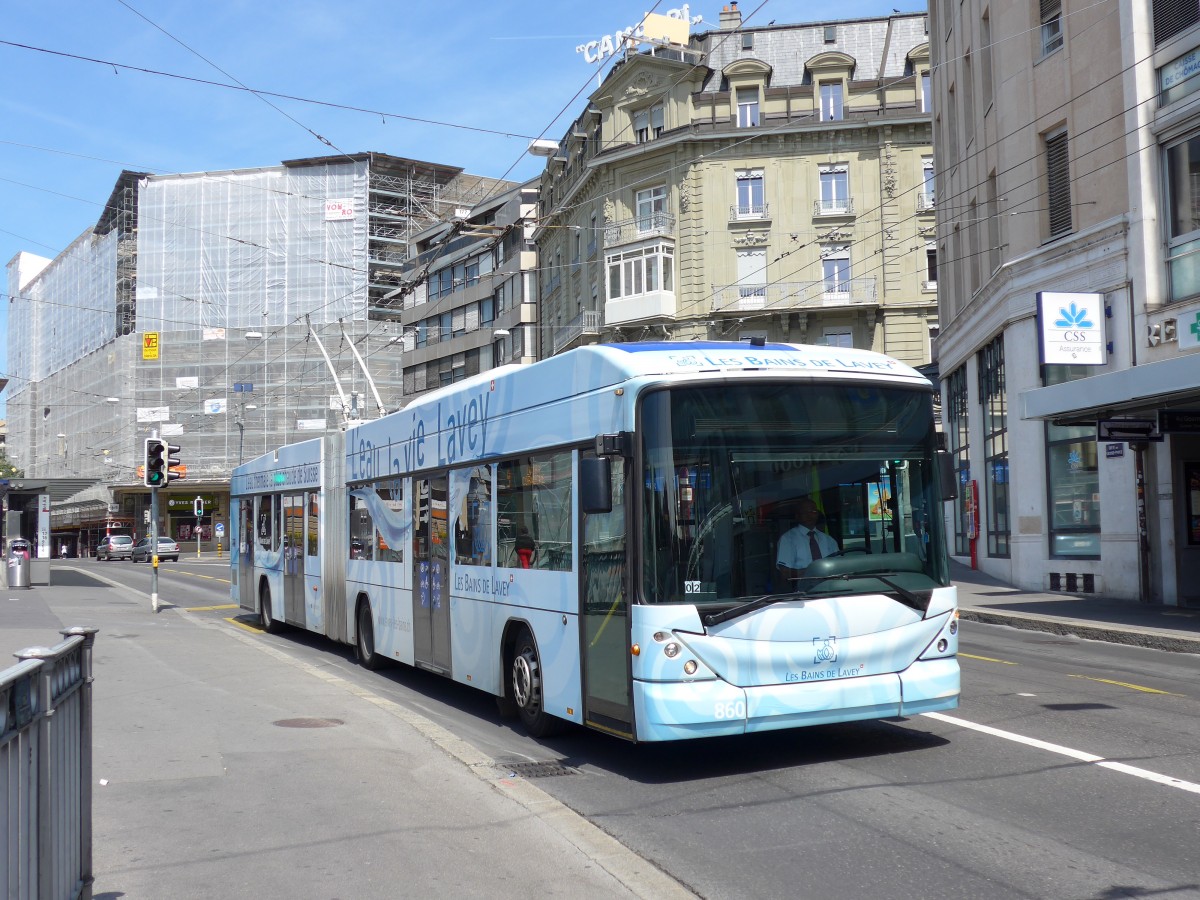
x=659, y=224
x=925, y=201
x=755, y=212
x=838, y=206
x=578, y=330
x=551, y=284
x=794, y=295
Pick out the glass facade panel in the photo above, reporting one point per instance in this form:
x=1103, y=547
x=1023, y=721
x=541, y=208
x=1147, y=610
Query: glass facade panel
x=995, y=450
x=959, y=433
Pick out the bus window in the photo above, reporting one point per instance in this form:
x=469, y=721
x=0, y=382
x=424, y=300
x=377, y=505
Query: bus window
x=533, y=502
x=311, y=523
x=362, y=530
x=266, y=521
x=471, y=498
x=390, y=530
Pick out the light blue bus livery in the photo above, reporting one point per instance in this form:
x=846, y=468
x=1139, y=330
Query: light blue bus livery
x=595, y=538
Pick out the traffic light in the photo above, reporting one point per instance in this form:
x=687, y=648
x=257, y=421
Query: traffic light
x=160, y=459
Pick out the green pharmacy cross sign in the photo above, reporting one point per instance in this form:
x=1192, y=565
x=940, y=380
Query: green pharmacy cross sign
x=1187, y=331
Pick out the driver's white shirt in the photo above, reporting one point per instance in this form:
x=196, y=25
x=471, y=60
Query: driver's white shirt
x=793, y=547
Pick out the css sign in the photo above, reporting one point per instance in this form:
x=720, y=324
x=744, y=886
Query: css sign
x=1071, y=328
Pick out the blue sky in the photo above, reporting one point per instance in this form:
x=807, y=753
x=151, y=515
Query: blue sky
x=509, y=66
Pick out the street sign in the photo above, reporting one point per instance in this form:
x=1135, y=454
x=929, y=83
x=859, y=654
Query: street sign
x=1179, y=421
x=1128, y=430
x=220, y=528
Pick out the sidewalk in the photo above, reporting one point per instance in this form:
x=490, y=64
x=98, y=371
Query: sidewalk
x=225, y=766
x=982, y=598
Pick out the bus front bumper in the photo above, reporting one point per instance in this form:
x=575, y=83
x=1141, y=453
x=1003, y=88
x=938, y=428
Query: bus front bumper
x=669, y=711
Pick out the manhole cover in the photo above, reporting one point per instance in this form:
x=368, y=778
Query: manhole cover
x=308, y=722
x=537, y=769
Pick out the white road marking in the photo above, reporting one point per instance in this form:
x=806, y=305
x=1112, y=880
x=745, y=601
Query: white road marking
x=1080, y=755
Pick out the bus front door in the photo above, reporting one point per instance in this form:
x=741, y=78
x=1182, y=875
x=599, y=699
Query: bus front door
x=431, y=574
x=604, y=619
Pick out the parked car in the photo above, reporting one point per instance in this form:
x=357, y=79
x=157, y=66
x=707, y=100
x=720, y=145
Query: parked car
x=115, y=546
x=167, y=549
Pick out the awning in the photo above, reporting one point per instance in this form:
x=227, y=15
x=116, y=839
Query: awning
x=1147, y=386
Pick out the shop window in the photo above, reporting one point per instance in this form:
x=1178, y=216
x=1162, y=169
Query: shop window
x=1073, y=486
x=1182, y=173
x=959, y=434
x=995, y=446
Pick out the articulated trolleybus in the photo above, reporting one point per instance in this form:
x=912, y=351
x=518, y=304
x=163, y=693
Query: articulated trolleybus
x=596, y=538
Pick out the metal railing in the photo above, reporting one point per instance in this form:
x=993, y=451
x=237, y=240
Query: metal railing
x=651, y=225
x=754, y=211
x=925, y=201
x=838, y=207
x=46, y=762
x=793, y=295
x=587, y=322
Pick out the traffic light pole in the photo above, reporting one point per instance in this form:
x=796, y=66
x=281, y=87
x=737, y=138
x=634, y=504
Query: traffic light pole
x=154, y=548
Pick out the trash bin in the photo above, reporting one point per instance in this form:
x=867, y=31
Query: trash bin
x=18, y=571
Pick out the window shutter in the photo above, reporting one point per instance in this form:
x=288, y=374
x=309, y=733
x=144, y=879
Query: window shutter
x=1058, y=184
x=1050, y=9
x=1174, y=16
x=641, y=119
x=656, y=117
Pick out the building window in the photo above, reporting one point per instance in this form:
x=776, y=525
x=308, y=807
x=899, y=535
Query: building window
x=641, y=271
x=993, y=225
x=985, y=57
x=931, y=267
x=1073, y=482
x=1051, y=16
x=751, y=202
x=651, y=205
x=831, y=101
x=1172, y=17
x=837, y=337
x=752, y=272
x=959, y=434
x=995, y=446
x=1183, y=192
x=835, y=270
x=748, y=40
x=928, y=189
x=648, y=123
x=835, y=189
x=926, y=93
x=1058, y=184
x=747, y=107
x=831, y=34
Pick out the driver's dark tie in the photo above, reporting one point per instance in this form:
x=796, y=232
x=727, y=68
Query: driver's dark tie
x=814, y=549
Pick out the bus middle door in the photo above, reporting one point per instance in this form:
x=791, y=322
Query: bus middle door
x=431, y=573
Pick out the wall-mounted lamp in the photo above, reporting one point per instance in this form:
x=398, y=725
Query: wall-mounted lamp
x=253, y=335
x=500, y=332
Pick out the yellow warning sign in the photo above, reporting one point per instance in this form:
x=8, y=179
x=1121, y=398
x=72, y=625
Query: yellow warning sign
x=150, y=345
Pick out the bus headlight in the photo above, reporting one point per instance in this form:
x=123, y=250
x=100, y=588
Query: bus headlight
x=942, y=644
x=661, y=636
x=672, y=650
x=689, y=667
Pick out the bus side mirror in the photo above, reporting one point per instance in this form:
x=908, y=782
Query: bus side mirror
x=595, y=484
x=947, y=477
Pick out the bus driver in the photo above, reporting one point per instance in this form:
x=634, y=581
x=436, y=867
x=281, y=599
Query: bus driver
x=801, y=545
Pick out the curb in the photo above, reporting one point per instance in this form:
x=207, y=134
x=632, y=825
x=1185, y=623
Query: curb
x=1131, y=635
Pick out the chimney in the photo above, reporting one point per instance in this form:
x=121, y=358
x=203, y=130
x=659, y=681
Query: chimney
x=731, y=16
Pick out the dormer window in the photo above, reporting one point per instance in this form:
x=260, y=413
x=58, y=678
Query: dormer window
x=747, y=107
x=648, y=123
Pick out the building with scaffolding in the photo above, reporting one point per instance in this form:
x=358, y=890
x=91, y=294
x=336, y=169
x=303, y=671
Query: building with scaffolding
x=230, y=312
x=771, y=181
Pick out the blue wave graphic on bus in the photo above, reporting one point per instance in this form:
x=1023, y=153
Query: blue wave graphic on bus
x=394, y=525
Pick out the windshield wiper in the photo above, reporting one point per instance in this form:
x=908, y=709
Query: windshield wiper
x=750, y=606
x=912, y=599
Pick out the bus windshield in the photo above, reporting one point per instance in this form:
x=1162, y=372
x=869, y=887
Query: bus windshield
x=755, y=491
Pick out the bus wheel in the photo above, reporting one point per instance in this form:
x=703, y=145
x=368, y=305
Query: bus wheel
x=527, y=688
x=365, y=644
x=270, y=626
